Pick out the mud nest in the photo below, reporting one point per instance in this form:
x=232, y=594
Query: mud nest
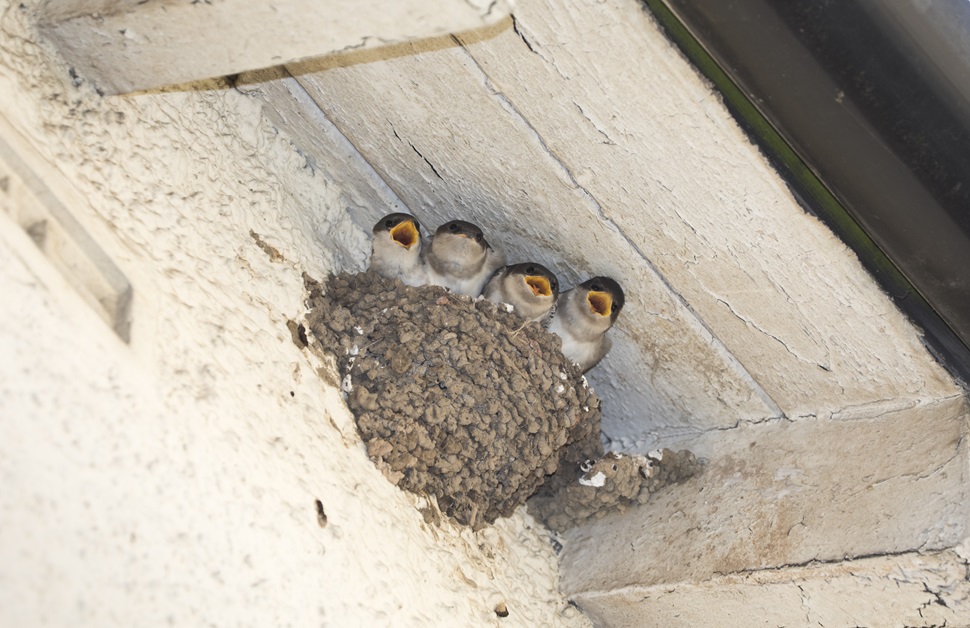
x=612, y=483
x=455, y=398
x=463, y=400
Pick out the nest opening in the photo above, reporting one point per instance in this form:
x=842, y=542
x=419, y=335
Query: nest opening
x=405, y=234
x=539, y=285
x=600, y=302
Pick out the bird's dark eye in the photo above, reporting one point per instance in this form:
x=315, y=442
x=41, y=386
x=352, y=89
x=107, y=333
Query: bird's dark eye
x=478, y=237
x=596, y=287
x=388, y=223
x=613, y=308
x=453, y=228
x=531, y=270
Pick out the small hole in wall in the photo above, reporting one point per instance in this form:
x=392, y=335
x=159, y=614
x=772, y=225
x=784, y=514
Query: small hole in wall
x=502, y=610
x=298, y=332
x=321, y=515
x=556, y=545
x=292, y=394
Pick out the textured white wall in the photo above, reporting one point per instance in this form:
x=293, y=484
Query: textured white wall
x=187, y=468
x=172, y=480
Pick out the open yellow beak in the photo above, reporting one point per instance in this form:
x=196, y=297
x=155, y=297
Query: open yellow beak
x=539, y=284
x=600, y=302
x=405, y=234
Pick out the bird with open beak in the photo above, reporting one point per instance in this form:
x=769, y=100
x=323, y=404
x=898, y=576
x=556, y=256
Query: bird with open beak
x=396, y=249
x=530, y=288
x=583, y=316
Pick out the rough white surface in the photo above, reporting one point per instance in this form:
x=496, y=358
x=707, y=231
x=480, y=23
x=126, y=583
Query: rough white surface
x=581, y=138
x=173, y=481
x=287, y=105
x=883, y=592
x=128, y=45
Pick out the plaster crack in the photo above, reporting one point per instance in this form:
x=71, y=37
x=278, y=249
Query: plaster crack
x=565, y=170
x=937, y=598
x=812, y=562
x=753, y=325
x=607, y=139
x=805, y=329
x=364, y=41
x=768, y=419
x=530, y=43
x=683, y=220
x=805, y=605
x=935, y=470
x=515, y=28
x=431, y=165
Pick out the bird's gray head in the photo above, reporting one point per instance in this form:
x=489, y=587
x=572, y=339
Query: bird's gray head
x=463, y=229
x=459, y=241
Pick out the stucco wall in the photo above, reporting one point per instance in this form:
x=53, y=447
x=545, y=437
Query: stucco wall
x=173, y=480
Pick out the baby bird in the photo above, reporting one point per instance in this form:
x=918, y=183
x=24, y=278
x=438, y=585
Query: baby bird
x=460, y=259
x=582, y=318
x=532, y=289
x=396, y=249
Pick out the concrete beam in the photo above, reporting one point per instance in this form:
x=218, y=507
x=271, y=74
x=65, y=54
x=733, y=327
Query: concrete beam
x=125, y=45
x=782, y=497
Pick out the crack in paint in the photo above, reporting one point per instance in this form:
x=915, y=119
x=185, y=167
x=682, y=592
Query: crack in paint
x=609, y=141
x=754, y=326
x=491, y=7
x=936, y=599
x=431, y=165
x=515, y=28
x=813, y=562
